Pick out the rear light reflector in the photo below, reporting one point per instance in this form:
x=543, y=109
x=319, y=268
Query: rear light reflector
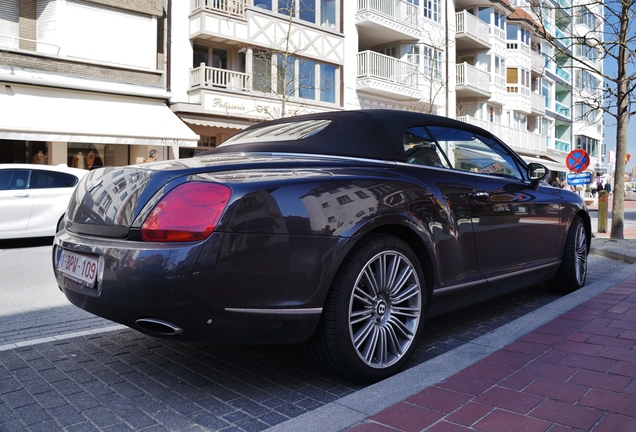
x=187, y=213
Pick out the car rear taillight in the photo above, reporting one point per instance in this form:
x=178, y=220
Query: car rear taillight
x=189, y=212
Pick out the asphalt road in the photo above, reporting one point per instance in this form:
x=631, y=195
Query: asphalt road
x=64, y=369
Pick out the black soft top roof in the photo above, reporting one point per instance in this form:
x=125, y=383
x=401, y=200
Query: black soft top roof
x=373, y=133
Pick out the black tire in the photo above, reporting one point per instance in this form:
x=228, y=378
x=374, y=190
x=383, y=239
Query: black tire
x=572, y=272
x=371, y=324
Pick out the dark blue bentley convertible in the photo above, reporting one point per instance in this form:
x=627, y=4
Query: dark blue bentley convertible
x=341, y=230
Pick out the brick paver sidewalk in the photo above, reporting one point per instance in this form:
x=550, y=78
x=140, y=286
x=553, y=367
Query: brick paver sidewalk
x=577, y=372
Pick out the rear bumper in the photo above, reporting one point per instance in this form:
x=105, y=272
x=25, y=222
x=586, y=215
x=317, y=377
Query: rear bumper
x=211, y=290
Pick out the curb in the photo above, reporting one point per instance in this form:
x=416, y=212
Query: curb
x=615, y=254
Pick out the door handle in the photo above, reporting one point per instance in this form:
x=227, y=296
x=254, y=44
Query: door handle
x=479, y=196
x=21, y=195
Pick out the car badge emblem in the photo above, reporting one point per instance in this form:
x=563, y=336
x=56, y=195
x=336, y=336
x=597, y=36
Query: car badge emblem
x=92, y=185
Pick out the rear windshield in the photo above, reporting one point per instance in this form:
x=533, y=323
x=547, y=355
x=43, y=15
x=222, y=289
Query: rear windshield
x=279, y=132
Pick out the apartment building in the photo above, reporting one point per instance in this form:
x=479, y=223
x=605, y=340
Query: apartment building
x=83, y=78
x=481, y=61
x=225, y=64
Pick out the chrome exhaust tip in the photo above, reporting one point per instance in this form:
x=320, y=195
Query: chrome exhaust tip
x=159, y=327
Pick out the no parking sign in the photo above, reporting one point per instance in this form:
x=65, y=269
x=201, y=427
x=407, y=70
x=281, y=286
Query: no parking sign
x=577, y=160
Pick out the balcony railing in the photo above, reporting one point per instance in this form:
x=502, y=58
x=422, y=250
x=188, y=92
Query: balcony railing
x=538, y=62
x=562, y=145
x=470, y=76
x=518, y=89
x=563, y=74
x=24, y=44
x=379, y=66
x=225, y=7
x=400, y=10
x=515, y=138
x=562, y=109
x=518, y=46
x=205, y=76
x=560, y=37
x=473, y=26
x=538, y=103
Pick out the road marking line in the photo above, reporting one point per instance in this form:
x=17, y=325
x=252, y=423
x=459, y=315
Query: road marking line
x=32, y=342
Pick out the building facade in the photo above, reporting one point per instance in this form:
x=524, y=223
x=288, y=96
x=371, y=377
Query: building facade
x=75, y=92
x=483, y=62
x=225, y=64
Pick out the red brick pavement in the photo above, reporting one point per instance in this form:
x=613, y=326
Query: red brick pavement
x=576, y=373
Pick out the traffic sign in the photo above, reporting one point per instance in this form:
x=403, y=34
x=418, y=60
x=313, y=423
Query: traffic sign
x=577, y=160
x=580, y=178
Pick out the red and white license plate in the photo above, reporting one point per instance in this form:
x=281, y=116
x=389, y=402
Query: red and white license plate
x=80, y=268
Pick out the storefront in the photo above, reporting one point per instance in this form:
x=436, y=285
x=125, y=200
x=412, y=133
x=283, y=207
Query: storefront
x=81, y=128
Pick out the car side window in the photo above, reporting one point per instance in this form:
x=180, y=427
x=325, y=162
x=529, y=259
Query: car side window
x=471, y=152
x=51, y=179
x=421, y=149
x=14, y=179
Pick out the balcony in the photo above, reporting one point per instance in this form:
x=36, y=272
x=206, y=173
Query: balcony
x=563, y=74
x=471, y=81
x=383, y=21
x=234, y=8
x=387, y=76
x=471, y=32
x=518, y=46
x=562, y=38
x=538, y=63
x=562, y=110
x=537, y=104
x=518, y=97
x=215, y=78
x=562, y=145
x=517, y=139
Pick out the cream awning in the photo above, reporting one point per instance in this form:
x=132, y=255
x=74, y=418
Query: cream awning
x=50, y=114
x=551, y=165
x=215, y=122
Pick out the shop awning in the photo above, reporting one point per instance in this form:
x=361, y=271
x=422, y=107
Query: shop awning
x=215, y=122
x=49, y=114
x=551, y=165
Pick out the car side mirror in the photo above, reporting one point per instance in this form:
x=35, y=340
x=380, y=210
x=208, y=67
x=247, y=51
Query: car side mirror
x=536, y=173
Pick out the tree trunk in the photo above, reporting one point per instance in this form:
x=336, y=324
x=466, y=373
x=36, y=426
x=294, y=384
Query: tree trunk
x=622, y=123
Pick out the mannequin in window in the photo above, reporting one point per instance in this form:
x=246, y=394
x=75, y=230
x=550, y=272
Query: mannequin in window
x=79, y=160
x=39, y=158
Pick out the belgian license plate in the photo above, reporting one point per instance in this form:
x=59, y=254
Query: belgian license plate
x=80, y=268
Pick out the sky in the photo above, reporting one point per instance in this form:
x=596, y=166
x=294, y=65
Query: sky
x=610, y=122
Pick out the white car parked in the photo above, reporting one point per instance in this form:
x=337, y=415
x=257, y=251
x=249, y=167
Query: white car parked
x=34, y=198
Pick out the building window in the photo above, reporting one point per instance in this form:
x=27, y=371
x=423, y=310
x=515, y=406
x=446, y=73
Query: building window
x=413, y=54
x=546, y=92
x=432, y=62
x=589, y=52
x=585, y=81
x=518, y=80
x=586, y=17
x=262, y=71
x=295, y=77
x=327, y=83
x=585, y=112
x=588, y=144
x=432, y=10
x=322, y=12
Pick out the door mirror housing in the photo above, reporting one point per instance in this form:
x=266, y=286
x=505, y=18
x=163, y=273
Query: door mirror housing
x=536, y=173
